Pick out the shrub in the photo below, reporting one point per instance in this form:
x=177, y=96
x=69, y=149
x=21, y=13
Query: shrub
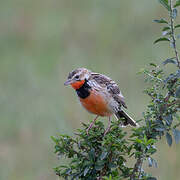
x=96, y=156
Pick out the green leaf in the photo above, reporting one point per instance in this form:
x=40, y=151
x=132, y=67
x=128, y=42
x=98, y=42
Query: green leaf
x=151, y=141
x=165, y=4
x=54, y=139
x=166, y=28
x=103, y=155
x=177, y=93
x=164, y=33
x=169, y=60
x=162, y=21
x=176, y=134
x=86, y=170
x=177, y=26
x=151, y=150
x=177, y=75
x=112, y=165
x=141, y=71
x=68, y=171
x=161, y=39
x=139, y=141
x=153, y=64
x=172, y=76
x=169, y=78
x=92, y=154
x=174, y=13
x=145, y=138
x=152, y=162
x=169, y=139
x=177, y=3
x=168, y=119
x=108, y=178
x=160, y=129
x=100, y=165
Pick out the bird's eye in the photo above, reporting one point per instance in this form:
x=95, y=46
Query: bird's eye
x=77, y=76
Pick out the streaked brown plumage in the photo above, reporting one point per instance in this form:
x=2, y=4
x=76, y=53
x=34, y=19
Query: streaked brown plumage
x=99, y=95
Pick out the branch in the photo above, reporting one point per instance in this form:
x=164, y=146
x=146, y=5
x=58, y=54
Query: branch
x=173, y=34
x=166, y=98
x=137, y=168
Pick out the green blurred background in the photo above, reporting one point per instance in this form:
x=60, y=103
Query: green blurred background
x=40, y=42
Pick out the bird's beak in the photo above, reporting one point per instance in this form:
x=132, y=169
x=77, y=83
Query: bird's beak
x=69, y=81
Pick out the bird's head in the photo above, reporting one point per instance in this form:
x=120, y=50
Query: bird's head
x=77, y=77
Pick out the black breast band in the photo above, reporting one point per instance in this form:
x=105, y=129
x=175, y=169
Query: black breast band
x=84, y=91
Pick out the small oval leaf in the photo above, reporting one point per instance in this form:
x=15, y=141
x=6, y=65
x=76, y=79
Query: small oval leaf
x=166, y=28
x=177, y=26
x=164, y=33
x=86, y=170
x=165, y=4
x=152, y=162
x=161, y=39
x=103, y=155
x=153, y=64
x=169, y=139
x=177, y=3
x=174, y=13
x=169, y=60
x=162, y=21
x=168, y=119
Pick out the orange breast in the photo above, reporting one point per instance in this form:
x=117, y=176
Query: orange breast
x=96, y=104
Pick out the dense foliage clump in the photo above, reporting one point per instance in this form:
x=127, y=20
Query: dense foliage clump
x=94, y=156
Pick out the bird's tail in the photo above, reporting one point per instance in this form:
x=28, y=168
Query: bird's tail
x=127, y=119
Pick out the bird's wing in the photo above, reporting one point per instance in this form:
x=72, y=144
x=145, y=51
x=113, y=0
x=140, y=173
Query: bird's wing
x=111, y=86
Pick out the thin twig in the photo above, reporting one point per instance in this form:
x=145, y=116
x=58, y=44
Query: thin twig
x=173, y=33
x=166, y=98
x=140, y=168
x=153, y=77
x=137, y=168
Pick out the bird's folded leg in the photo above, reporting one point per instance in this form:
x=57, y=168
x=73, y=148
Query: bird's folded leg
x=108, y=128
x=91, y=125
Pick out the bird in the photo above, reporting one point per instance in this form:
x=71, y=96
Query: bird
x=99, y=95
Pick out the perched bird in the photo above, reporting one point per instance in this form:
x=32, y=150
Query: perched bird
x=99, y=95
